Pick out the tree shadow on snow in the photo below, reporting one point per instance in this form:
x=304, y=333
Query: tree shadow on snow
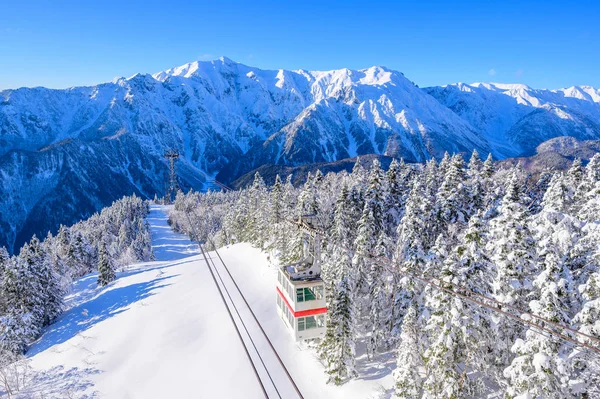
x=85, y=315
x=59, y=382
x=375, y=368
x=168, y=245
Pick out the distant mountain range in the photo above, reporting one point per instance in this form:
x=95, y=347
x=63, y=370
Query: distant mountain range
x=66, y=153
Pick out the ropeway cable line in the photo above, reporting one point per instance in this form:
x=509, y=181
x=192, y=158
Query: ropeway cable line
x=196, y=239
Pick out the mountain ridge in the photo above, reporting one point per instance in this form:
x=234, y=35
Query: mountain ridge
x=226, y=118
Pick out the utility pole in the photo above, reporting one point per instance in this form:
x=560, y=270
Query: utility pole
x=172, y=185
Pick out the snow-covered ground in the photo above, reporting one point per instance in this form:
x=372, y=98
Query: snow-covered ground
x=161, y=331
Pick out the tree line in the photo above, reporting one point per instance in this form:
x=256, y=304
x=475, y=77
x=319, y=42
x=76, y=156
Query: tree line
x=528, y=241
x=34, y=282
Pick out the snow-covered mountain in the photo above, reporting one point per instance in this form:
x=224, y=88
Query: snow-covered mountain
x=514, y=118
x=66, y=153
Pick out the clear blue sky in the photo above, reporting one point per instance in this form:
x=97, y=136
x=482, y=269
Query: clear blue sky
x=545, y=44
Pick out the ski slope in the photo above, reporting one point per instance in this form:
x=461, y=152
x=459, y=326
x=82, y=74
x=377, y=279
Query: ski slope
x=161, y=330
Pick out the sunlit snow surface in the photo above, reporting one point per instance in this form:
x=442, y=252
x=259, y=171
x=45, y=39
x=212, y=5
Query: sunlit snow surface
x=161, y=331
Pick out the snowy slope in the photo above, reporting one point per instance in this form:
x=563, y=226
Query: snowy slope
x=224, y=117
x=99, y=143
x=160, y=330
x=515, y=118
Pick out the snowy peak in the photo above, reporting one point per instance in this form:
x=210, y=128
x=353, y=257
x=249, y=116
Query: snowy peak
x=227, y=118
x=504, y=87
x=195, y=68
x=515, y=118
x=373, y=76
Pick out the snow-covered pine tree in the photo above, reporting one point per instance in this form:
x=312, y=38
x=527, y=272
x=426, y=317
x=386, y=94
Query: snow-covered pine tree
x=4, y=265
x=257, y=221
x=106, y=273
x=589, y=192
x=31, y=260
x=591, y=177
x=23, y=304
x=307, y=200
x=476, y=185
x=337, y=348
x=443, y=166
x=512, y=250
x=488, y=167
x=408, y=380
x=397, y=183
x=538, y=191
x=341, y=236
x=357, y=202
x=541, y=368
x=369, y=227
x=410, y=252
x=446, y=350
x=586, y=364
x=475, y=165
x=52, y=290
x=63, y=239
x=575, y=173
x=359, y=175
x=378, y=317
x=452, y=205
x=277, y=217
x=559, y=195
x=460, y=331
x=413, y=238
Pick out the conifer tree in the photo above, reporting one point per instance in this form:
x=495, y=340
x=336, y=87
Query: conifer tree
x=512, y=251
x=443, y=165
x=378, y=318
x=452, y=196
x=475, y=165
x=411, y=251
x=413, y=241
x=23, y=304
x=407, y=375
x=460, y=331
x=542, y=367
x=559, y=195
x=277, y=216
x=257, y=212
x=337, y=348
x=307, y=200
x=52, y=291
x=397, y=188
x=4, y=262
x=488, y=167
x=106, y=274
x=341, y=236
x=369, y=227
x=586, y=378
x=575, y=173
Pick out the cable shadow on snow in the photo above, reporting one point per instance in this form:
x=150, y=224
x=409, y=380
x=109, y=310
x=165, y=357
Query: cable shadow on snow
x=158, y=267
x=85, y=315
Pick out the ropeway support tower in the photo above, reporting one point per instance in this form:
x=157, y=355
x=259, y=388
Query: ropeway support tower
x=172, y=184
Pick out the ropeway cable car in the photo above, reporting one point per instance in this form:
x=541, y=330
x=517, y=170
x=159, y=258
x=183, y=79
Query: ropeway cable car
x=300, y=290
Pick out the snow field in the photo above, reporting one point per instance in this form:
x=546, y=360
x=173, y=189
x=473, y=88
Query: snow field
x=161, y=330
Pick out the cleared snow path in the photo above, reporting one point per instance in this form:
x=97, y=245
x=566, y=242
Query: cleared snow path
x=161, y=331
